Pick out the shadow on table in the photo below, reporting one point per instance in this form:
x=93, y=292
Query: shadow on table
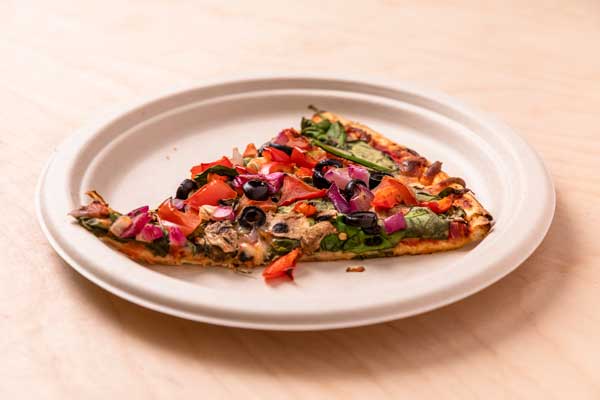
x=449, y=334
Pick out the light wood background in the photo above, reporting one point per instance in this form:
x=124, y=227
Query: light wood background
x=535, y=64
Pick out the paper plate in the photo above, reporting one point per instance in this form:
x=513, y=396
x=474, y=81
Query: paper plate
x=138, y=156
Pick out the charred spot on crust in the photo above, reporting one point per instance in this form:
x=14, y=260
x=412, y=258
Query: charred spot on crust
x=431, y=172
x=412, y=166
x=411, y=151
x=355, y=134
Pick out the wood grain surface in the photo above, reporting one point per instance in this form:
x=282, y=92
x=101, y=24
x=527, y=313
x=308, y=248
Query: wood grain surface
x=534, y=64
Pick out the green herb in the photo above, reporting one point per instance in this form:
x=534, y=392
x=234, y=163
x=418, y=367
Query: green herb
x=114, y=215
x=424, y=196
x=451, y=190
x=315, y=130
x=215, y=169
x=160, y=247
x=284, y=245
x=98, y=226
x=348, y=155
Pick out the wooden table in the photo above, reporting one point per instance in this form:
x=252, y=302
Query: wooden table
x=534, y=334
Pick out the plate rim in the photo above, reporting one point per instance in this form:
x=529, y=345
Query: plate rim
x=122, y=109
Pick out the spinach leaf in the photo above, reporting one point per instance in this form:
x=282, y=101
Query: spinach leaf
x=331, y=242
x=336, y=134
x=348, y=155
x=367, y=152
x=423, y=223
x=216, y=169
x=160, y=247
x=424, y=196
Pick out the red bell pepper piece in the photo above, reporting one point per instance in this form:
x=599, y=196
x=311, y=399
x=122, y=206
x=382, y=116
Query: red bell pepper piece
x=250, y=151
x=303, y=207
x=198, y=169
x=187, y=222
x=294, y=189
x=275, y=166
x=273, y=154
x=301, y=158
x=303, y=172
x=391, y=192
x=210, y=194
x=282, y=266
x=439, y=206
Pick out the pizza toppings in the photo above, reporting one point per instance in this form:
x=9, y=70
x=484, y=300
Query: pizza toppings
x=328, y=188
x=187, y=221
x=149, y=233
x=394, y=223
x=185, y=188
x=391, y=192
x=294, y=189
x=210, y=194
x=252, y=217
x=198, y=169
x=282, y=266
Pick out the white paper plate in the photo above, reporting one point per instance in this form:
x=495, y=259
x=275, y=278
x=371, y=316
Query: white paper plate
x=139, y=155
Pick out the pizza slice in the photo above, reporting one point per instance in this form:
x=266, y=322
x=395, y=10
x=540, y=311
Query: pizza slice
x=333, y=190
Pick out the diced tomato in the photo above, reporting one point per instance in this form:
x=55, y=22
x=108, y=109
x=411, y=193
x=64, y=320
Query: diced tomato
x=250, y=151
x=301, y=158
x=391, y=192
x=305, y=208
x=282, y=266
x=303, y=172
x=294, y=189
x=210, y=194
x=198, y=169
x=187, y=222
x=458, y=230
x=440, y=206
x=275, y=166
x=273, y=154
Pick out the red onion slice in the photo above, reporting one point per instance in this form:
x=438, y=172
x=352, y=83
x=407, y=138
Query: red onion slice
x=149, y=233
x=137, y=224
x=176, y=237
x=394, y=223
x=339, y=202
x=142, y=209
x=359, y=173
x=361, y=200
x=222, y=213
